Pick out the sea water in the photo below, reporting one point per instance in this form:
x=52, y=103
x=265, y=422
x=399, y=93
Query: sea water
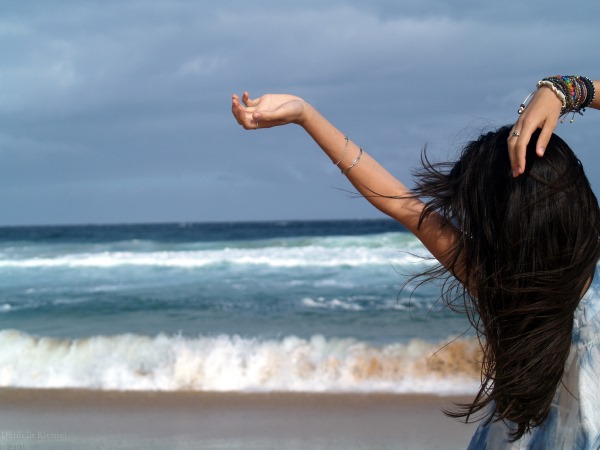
x=264, y=306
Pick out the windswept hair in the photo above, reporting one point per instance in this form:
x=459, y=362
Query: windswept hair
x=526, y=253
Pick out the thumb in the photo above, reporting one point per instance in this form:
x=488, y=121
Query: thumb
x=265, y=115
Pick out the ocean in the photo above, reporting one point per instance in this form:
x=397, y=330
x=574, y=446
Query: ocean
x=302, y=306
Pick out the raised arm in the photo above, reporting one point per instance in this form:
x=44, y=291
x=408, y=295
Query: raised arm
x=543, y=111
x=375, y=183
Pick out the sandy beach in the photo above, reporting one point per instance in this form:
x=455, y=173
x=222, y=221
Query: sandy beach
x=69, y=419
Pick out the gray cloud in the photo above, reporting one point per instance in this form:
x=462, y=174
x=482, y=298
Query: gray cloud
x=119, y=111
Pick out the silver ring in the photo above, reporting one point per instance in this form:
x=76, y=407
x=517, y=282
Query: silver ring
x=515, y=133
x=256, y=125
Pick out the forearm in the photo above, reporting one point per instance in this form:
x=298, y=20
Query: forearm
x=373, y=181
x=380, y=188
x=596, y=103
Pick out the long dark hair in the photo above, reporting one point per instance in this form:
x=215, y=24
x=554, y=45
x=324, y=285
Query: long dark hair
x=527, y=251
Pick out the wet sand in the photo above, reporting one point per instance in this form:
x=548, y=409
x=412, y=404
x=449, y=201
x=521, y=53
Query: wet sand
x=82, y=419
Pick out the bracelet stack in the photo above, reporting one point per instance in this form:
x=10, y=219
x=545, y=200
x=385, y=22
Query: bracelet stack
x=578, y=92
x=575, y=92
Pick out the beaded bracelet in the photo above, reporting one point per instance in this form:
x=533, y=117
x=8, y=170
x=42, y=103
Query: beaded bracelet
x=355, y=162
x=589, y=84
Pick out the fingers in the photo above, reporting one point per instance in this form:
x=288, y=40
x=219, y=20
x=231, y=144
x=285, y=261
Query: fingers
x=543, y=139
x=235, y=106
x=248, y=101
x=517, y=148
x=519, y=139
x=543, y=112
x=243, y=115
x=237, y=109
x=517, y=159
x=268, y=118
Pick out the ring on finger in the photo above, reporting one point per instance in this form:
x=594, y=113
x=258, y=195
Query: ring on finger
x=256, y=125
x=516, y=133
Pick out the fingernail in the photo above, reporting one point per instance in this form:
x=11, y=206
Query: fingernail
x=515, y=173
x=541, y=151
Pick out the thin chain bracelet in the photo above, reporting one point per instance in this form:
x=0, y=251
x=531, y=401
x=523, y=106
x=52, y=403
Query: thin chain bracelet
x=355, y=162
x=344, y=151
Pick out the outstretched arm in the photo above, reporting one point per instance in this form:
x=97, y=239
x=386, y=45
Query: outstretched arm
x=375, y=183
x=542, y=112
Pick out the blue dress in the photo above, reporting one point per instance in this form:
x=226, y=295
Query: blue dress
x=574, y=420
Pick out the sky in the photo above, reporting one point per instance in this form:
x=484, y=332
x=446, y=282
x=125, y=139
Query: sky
x=119, y=111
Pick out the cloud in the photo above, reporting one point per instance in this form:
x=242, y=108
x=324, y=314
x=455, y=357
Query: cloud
x=136, y=93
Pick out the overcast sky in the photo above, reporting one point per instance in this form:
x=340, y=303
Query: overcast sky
x=119, y=111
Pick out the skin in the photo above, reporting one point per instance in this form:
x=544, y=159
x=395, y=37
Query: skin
x=367, y=176
x=370, y=178
x=543, y=111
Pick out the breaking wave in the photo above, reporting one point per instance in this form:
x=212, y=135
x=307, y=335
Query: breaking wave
x=233, y=363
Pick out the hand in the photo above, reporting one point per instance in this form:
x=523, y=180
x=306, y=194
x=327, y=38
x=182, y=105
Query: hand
x=543, y=111
x=268, y=111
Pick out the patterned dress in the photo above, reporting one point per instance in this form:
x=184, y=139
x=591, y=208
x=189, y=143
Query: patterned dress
x=574, y=420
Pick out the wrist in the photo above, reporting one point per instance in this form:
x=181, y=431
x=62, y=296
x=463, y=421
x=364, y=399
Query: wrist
x=548, y=93
x=575, y=92
x=307, y=114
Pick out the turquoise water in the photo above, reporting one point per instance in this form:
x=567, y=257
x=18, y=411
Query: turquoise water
x=102, y=304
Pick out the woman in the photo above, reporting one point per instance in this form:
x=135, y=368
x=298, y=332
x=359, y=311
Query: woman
x=520, y=251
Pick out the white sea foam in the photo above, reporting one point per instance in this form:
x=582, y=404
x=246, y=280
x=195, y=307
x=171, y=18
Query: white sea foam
x=273, y=257
x=230, y=363
x=384, y=249
x=322, y=302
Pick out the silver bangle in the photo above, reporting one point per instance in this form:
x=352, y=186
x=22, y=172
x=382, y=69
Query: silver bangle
x=355, y=162
x=524, y=103
x=344, y=151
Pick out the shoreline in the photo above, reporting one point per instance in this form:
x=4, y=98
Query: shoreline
x=228, y=420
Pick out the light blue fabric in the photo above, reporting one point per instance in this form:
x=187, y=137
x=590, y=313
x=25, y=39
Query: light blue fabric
x=574, y=420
